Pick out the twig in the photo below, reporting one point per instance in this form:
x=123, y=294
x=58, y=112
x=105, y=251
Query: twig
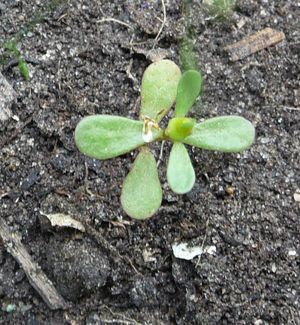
x=115, y=21
x=3, y=195
x=161, y=153
x=116, y=321
x=162, y=25
x=86, y=183
x=130, y=76
x=203, y=243
x=291, y=108
x=125, y=319
x=35, y=275
x=136, y=104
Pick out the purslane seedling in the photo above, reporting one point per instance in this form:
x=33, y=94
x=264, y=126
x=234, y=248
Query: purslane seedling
x=107, y=136
x=220, y=9
x=10, y=48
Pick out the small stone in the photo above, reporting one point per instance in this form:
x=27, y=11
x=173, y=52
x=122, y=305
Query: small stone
x=229, y=190
x=297, y=197
x=241, y=23
x=10, y=308
x=265, y=140
x=292, y=253
x=258, y=322
x=297, y=97
x=220, y=192
x=263, y=13
x=148, y=256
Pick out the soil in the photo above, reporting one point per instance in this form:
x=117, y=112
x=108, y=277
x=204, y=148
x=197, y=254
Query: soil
x=121, y=271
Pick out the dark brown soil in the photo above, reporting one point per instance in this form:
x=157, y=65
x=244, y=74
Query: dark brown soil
x=122, y=271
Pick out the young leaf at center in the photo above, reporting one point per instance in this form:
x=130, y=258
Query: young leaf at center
x=141, y=193
x=180, y=172
x=189, y=88
x=179, y=128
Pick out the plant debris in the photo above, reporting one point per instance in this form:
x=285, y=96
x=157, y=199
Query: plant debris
x=64, y=220
x=35, y=275
x=254, y=43
x=185, y=252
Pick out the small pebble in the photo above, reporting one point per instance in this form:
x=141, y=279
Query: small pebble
x=229, y=190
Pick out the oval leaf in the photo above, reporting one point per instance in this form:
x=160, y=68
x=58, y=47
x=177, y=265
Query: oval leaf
x=224, y=133
x=180, y=172
x=141, y=193
x=106, y=136
x=189, y=88
x=159, y=88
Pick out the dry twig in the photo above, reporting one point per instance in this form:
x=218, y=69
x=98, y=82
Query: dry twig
x=108, y=19
x=162, y=25
x=35, y=275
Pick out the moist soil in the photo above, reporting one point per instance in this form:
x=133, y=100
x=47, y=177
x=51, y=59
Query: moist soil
x=122, y=271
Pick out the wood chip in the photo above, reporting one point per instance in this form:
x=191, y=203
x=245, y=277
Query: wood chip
x=35, y=275
x=254, y=43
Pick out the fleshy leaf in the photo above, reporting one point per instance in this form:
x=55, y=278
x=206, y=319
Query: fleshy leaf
x=179, y=128
x=106, y=136
x=189, y=88
x=224, y=133
x=159, y=88
x=180, y=172
x=141, y=193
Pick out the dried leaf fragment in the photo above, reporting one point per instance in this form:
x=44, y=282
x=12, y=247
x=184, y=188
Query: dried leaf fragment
x=183, y=251
x=64, y=220
x=254, y=43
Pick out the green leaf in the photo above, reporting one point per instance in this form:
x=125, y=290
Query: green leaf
x=106, y=136
x=141, y=193
x=221, y=9
x=179, y=128
x=23, y=68
x=159, y=88
x=224, y=133
x=180, y=172
x=189, y=88
x=12, y=47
